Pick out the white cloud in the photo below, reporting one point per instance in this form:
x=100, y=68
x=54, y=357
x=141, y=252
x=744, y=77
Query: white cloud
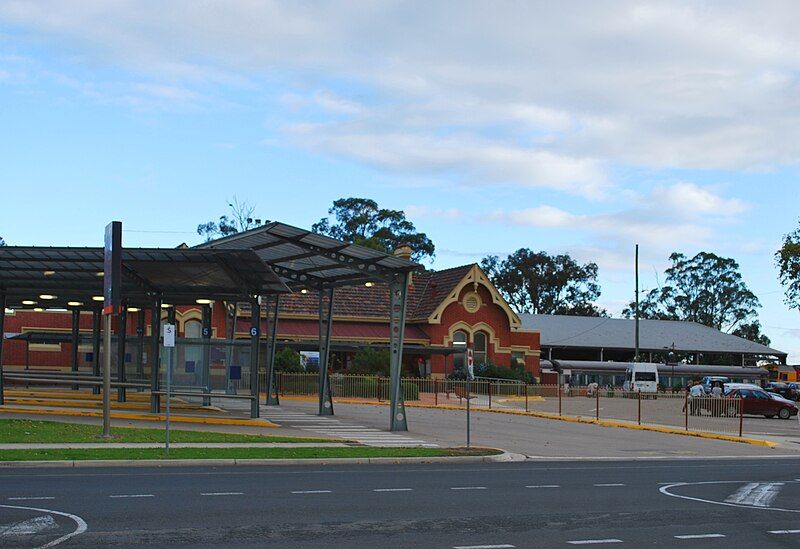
x=533, y=94
x=662, y=221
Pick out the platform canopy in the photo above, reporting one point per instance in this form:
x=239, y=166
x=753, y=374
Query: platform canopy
x=304, y=259
x=60, y=277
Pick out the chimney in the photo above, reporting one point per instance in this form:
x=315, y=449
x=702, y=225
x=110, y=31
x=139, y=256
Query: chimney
x=403, y=251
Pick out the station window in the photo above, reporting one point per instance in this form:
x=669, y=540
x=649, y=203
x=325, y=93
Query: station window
x=479, y=346
x=459, y=342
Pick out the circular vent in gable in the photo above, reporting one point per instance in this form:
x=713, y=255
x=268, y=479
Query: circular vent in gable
x=472, y=302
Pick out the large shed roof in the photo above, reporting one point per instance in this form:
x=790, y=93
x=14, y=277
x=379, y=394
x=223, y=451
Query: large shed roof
x=582, y=332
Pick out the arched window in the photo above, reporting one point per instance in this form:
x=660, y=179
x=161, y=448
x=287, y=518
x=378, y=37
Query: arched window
x=460, y=343
x=192, y=329
x=479, y=346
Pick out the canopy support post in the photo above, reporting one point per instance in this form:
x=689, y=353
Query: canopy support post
x=398, y=290
x=96, y=321
x=272, y=326
x=325, y=326
x=140, y=346
x=122, y=329
x=2, y=337
x=155, y=349
x=76, y=319
x=255, y=328
x=206, y=368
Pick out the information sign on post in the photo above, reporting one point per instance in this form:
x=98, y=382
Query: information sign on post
x=470, y=377
x=169, y=347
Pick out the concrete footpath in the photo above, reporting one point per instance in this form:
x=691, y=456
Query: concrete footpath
x=111, y=445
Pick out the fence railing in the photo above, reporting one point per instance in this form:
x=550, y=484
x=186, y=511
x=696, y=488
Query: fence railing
x=669, y=409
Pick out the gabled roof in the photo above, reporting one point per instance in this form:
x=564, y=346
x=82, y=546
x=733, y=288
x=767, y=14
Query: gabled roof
x=428, y=289
x=562, y=331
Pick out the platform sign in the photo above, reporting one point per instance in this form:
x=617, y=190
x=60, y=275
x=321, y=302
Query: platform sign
x=235, y=373
x=169, y=335
x=112, y=269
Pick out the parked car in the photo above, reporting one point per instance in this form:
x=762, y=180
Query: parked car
x=783, y=389
x=776, y=396
x=709, y=381
x=758, y=402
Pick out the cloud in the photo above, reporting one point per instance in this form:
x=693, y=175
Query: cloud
x=530, y=94
x=666, y=219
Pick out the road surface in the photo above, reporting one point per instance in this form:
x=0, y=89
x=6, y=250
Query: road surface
x=675, y=503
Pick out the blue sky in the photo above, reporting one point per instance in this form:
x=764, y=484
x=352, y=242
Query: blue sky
x=494, y=125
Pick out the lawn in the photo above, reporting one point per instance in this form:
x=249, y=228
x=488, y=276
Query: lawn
x=23, y=430
x=235, y=453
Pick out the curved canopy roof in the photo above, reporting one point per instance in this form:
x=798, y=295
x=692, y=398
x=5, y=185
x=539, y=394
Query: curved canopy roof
x=304, y=259
x=180, y=275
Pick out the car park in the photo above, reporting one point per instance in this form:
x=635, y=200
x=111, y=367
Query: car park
x=709, y=381
x=758, y=402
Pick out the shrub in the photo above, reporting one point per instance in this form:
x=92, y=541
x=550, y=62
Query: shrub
x=370, y=362
x=516, y=372
x=288, y=360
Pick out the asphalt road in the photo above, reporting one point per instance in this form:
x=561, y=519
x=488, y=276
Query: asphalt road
x=544, y=437
x=730, y=503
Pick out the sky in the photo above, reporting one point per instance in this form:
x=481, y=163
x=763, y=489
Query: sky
x=577, y=127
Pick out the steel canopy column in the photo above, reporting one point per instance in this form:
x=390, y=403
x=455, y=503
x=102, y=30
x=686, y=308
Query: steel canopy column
x=2, y=327
x=76, y=319
x=325, y=325
x=122, y=329
x=255, y=328
x=96, y=347
x=155, y=349
x=205, y=372
x=398, y=290
x=140, y=346
x=272, y=326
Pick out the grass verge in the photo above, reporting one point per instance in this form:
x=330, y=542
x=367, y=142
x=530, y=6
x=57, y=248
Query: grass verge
x=29, y=431
x=234, y=453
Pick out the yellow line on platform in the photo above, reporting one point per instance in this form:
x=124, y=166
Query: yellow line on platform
x=65, y=403
x=78, y=395
x=144, y=417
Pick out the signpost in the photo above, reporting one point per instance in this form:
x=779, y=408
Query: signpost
x=470, y=375
x=169, y=347
x=112, y=298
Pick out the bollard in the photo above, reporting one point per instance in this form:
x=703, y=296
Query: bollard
x=741, y=416
x=526, y=397
x=597, y=404
x=640, y=408
x=559, y=399
x=686, y=410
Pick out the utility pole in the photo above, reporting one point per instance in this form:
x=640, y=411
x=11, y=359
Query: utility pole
x=636, y=310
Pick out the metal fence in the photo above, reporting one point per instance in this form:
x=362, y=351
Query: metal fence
x=668, y=409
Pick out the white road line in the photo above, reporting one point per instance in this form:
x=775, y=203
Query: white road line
x=392, y=489
x=544, y=486
x=312, y=492
x=501, y=546
x=699, y=536
x=222, y=494
x=78, y=521
x=784, y=532
x=757, y=494
x=132, y=496
x=31, y=498
x=468, y=488
x=608, y=485
x=593, y=541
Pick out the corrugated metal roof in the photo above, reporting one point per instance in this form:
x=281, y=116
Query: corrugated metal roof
x=565, y=332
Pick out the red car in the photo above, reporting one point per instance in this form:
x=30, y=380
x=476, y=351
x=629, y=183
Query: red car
x=758, y=403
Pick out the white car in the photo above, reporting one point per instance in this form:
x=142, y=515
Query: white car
x=779, y=398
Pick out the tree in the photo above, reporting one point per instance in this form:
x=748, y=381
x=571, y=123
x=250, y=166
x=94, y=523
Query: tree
x=361, y=221
x=2, y=242
x=539, y=283
x=706, y=289
x=241, y=219
x=288, y=360
x=788, y=260
x=752, y=332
